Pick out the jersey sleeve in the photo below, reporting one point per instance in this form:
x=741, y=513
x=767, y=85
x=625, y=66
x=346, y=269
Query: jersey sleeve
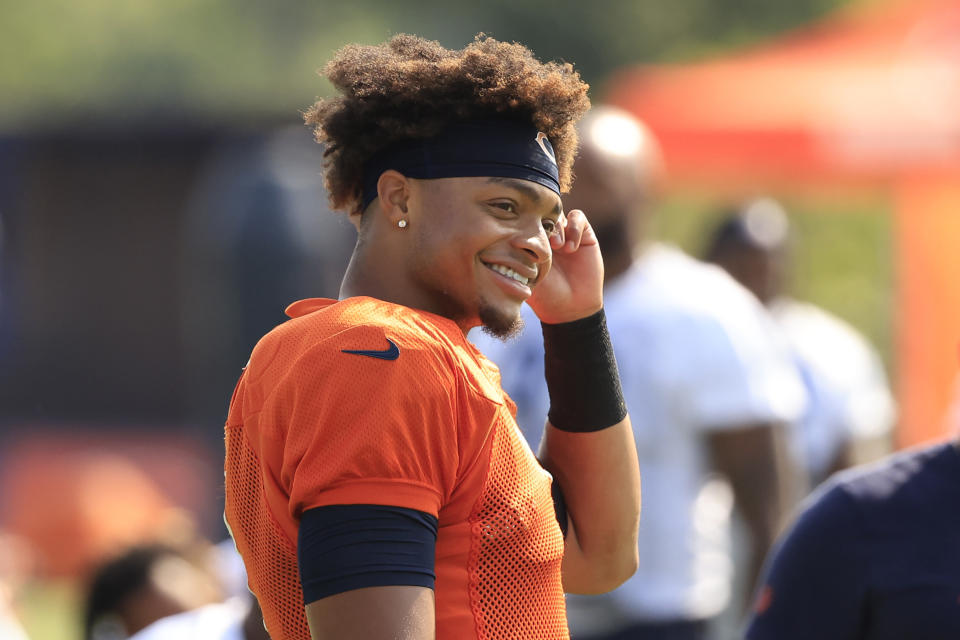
x=815, y=581
x=364, y=428
x=738, y=371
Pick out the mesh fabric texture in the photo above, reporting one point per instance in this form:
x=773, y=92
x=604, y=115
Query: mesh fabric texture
x=312, y=424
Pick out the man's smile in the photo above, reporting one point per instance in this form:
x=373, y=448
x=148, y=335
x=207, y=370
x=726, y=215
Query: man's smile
x=510, y=273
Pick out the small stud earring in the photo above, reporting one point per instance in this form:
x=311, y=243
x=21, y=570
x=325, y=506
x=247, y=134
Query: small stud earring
x=402, y=224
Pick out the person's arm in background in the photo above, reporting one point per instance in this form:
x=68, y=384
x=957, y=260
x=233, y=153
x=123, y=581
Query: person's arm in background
x=755, y=461
x=746, y=395
x=814, y=585
x=588, y=443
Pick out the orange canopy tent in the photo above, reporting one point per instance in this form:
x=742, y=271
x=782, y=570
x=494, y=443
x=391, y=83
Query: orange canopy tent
x=871, y=94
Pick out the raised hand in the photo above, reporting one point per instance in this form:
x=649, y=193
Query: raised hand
x=573, y=288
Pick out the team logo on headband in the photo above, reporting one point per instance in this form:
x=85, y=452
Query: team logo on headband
x=542, y=140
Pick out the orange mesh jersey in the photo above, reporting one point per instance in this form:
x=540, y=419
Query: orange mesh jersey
x=310, y=426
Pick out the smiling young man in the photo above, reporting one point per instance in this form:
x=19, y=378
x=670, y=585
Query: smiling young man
x=377, y=484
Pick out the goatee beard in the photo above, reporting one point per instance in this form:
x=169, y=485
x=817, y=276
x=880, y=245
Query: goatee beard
x=498, y=324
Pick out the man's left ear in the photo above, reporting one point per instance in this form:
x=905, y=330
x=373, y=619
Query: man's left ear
x=393, y=191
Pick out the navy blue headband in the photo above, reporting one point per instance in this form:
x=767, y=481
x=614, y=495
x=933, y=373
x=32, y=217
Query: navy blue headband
x=491, y=148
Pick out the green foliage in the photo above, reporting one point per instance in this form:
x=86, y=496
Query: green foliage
x=69, y=61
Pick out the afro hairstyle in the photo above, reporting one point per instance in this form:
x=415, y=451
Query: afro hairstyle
x=410, y=88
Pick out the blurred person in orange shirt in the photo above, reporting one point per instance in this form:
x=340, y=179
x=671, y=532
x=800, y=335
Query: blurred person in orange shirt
x=99, y=500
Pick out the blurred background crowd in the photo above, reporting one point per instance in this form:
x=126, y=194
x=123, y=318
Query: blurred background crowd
x=161, y=203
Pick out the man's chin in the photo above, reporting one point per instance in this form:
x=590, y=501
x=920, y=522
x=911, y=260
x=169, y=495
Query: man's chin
x=500, y=323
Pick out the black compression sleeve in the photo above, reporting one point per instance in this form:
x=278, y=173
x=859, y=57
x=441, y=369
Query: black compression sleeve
x=582, y=377
x=346, y=547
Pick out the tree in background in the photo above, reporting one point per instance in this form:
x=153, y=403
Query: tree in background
x=84, y=61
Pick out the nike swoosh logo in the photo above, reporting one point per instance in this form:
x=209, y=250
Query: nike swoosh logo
x=389, y=354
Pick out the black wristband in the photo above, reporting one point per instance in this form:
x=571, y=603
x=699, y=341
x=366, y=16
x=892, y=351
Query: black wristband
x=582, y=377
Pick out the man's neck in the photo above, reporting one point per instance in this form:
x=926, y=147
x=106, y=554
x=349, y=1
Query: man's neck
x=364, y=278
x=365, y=275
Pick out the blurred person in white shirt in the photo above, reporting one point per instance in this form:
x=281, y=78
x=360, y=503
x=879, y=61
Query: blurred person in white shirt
x=238, y=617
x=851, y=412
x=710, y=387
x=145, y=583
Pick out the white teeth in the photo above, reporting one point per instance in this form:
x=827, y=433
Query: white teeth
x=510, y=273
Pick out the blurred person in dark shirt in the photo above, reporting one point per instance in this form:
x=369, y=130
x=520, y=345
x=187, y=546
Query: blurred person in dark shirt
x=874, y=556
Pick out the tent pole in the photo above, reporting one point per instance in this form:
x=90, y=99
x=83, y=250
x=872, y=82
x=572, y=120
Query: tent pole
x=928, y=305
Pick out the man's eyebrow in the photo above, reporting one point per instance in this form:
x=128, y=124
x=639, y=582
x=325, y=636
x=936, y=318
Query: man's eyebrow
x=527, y=190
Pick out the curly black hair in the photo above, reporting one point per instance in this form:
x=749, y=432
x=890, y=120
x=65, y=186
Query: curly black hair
x=411, y=88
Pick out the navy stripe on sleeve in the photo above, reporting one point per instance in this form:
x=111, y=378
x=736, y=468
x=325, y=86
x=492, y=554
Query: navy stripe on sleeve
x=346, y=547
